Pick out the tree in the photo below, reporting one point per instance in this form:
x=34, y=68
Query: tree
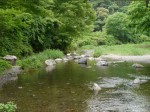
x=139, y=17
x=35, y=25
x=102, y=14
x=116, y=25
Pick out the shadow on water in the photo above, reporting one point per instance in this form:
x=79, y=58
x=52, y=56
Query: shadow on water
x=66, y=89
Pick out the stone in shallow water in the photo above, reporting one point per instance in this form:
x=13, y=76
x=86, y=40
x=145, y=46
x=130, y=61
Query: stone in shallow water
x=136, y=65
x=82, y=61
x=136, y=81
x=102, y=63
x=50, y=62
x=58, y=60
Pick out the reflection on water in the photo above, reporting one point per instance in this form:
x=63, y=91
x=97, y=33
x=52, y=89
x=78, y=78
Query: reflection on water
x=66, y=89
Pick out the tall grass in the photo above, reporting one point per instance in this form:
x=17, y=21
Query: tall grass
x=37, y=60
x=124, y=49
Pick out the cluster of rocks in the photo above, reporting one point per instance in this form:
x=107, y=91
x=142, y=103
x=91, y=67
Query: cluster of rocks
x=12, y=73
x=83, y=59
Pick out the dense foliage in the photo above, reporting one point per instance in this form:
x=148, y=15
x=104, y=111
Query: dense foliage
x=29, y=25
x=116, y=25
x=120, y=21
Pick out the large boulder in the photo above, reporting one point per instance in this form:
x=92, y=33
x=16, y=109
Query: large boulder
x=50, y=62
x=12, y=59
x=82, y=61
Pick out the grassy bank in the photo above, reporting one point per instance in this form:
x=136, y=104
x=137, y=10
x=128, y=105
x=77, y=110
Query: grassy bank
x=124, y=49
x=37, y=60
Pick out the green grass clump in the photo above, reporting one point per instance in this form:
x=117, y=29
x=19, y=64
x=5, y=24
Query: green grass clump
x=4, y=65
x=37, y=60
x=124, y=49
x=97, y=53
x=8, y=107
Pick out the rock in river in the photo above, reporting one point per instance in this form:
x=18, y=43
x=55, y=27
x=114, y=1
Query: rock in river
x=50, y=62
x=82, y=61
x=136, y=65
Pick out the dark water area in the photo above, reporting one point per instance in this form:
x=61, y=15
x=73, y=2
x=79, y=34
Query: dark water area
x=67, y=89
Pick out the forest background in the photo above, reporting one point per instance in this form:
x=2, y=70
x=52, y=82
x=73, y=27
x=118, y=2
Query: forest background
x=31, y=26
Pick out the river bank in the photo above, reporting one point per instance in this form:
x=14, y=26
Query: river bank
x=142, y=59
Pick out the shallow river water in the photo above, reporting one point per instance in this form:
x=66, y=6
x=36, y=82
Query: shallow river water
x=67, y=89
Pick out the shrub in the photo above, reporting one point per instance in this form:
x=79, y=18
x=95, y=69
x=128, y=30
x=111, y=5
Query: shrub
x=97, y=53
x=4, y=65
x=8, y=107
x=37, y=60
x=96, y=39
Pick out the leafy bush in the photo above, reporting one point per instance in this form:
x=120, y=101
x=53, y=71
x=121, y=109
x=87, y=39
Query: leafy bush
x=8, y=107
x=37, y=60
x=97, y=53
x=96, y=39
x=4, y=65
x=139, y=38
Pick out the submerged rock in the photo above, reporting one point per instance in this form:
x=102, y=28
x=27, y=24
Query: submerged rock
x=20, y=87
x=10, y=75
x=50, y=68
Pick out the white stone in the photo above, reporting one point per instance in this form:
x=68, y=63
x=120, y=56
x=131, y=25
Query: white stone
x=136, y=65
x=10, y=57
x=136, y=81
x=58, y=60
x=102, y=63
x=50, y=62
x=96, y=87
x=91, y=58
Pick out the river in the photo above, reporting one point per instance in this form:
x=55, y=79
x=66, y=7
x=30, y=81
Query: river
x=67, y=89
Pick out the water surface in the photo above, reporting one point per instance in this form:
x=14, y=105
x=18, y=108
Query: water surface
x=67, y=89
